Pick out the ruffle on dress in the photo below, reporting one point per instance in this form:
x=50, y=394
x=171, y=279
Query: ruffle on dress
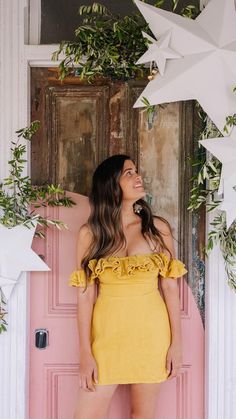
x=128, y=265
x=78, y=279
x=172, y=268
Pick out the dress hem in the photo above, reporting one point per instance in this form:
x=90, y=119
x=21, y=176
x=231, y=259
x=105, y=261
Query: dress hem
x=132, y=382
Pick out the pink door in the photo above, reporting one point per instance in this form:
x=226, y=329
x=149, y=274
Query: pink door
x=53, y=370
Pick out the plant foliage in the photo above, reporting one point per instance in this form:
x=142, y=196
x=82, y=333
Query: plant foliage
x=19, y=199
x=3, y=313
x=205, y=183
x=108, y=45
x=105, y=45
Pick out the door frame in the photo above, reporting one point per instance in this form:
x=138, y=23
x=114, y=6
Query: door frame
x=220, y=334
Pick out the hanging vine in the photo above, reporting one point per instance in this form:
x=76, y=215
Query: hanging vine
x=3, y=313
x=204, y=191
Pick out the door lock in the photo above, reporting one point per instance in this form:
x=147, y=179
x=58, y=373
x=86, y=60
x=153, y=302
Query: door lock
x=41, y=338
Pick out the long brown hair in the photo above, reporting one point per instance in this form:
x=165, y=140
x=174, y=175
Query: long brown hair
x=105, y=218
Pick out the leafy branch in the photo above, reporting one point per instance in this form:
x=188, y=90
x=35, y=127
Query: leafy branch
x=205, y=171
x=227, y=241
x=3, y=313
x=105, y=45
x=204, y=191
x=108, y=45
x=150, y=109
x=19, y=199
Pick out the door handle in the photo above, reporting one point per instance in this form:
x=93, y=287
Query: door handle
x=41, y=338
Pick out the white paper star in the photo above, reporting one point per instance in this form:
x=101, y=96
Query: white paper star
x=158, y=51
x=207, y=70
x=224, y=149
x=17, y=256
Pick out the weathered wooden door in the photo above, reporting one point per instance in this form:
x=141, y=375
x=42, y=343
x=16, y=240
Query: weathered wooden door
x=81, y=125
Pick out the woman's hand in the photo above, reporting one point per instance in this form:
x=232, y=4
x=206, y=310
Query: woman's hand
x=174, y=359
x=88, y=373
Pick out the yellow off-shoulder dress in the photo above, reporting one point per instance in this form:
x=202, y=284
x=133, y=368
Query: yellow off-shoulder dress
x=130, y=330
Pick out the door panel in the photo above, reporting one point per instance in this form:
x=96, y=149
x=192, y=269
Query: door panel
x=81, y=125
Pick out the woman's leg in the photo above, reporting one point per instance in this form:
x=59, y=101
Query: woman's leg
x=94, y=404
x=143, y=400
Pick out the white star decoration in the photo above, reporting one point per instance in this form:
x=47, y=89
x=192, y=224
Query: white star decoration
x=158, y=51
x=17, y=256
x=224, y=149
x=207, y=70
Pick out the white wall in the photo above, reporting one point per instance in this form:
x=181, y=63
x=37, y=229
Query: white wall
x=13, y=114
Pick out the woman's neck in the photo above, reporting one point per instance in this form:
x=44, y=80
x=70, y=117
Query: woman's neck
x=127, y=214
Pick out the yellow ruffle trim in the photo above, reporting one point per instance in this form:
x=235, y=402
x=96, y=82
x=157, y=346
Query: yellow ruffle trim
x=127, y=265
x=78, y=279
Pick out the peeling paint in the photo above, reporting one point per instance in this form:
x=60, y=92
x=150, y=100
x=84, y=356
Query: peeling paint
x=159, y=161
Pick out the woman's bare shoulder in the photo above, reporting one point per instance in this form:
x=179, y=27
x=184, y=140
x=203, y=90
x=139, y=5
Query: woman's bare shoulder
x=84, y=239
x=85, y=231
x=162, y=225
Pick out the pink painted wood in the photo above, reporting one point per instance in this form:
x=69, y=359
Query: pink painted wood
x=53, y=372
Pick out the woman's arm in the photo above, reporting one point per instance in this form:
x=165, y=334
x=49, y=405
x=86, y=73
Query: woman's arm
x=85, y=303
x=170, y=290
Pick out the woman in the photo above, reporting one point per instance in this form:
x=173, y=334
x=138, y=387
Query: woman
x=129, y=333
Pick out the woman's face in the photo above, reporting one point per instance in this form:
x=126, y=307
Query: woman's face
x=131, y=182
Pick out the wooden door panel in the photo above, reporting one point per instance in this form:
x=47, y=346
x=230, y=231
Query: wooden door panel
x=80, y=126
x=77, y=132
